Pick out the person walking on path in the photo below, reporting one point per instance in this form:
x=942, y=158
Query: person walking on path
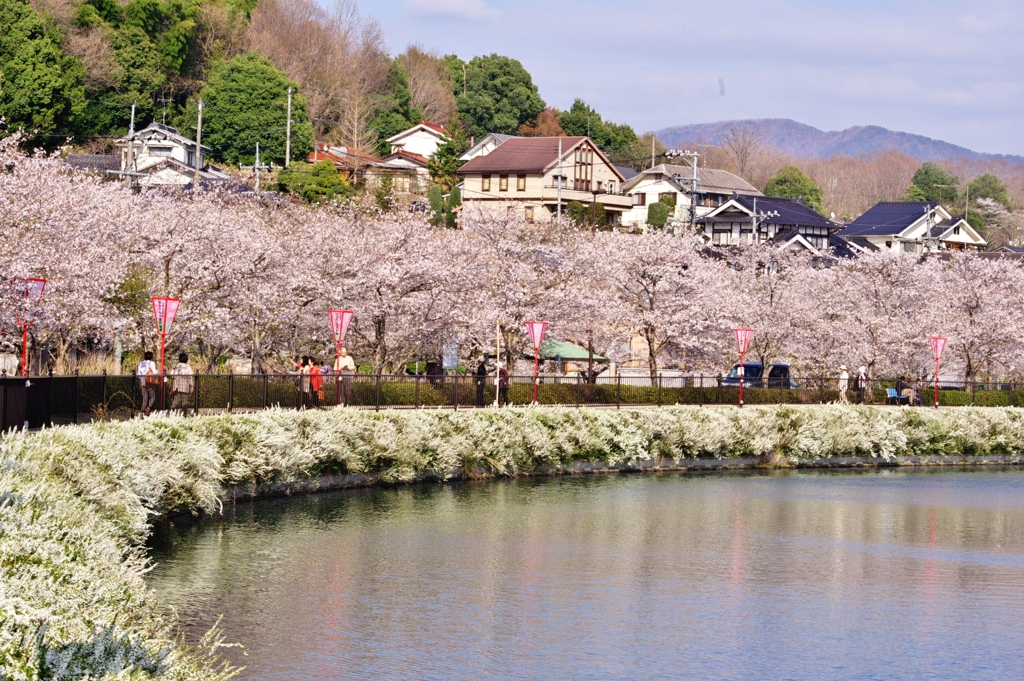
x=481, y=381
x=345, y=367
x=502, y=385
x=844, y=384
x=862, y=384
x=182, y=385
x=149, y=379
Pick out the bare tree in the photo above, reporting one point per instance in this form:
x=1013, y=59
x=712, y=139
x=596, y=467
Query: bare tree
x=744, y=142
x=430, y=84
x=336, y=56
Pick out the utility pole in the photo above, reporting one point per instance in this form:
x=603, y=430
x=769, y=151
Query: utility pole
x=199, y=145
x=130, y=167
x=256, y=168
x=288, y=132
x=559, y=179
x=652, y=149
x=693, y=158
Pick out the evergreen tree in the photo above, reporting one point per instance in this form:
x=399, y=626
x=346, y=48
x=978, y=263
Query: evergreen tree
x=41, y=89
x=988, y=186
x=498, y=95
x=444, y=164
x=792, y=183
x=436, y=201
x=936, y=184
x=319, y=182
x=385, y=193
x=246, y=100
x=576, y=213
x=396, y=112
x=657, y=215
x=581, y=119
x=454, y=203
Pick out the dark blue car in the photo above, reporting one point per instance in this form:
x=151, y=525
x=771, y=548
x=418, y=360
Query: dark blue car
x=753, y=377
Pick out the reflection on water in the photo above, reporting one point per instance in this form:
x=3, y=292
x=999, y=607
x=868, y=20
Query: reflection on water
x=871, y=575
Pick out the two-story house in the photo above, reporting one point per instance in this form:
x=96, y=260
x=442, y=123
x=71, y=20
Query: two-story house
x=162, y=156
x=537, y=177
x=714, y=187
x=759, y=219
x=913, y=227
x=422, y=139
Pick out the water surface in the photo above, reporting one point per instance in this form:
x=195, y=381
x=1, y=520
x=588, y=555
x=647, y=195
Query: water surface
x=887, y=574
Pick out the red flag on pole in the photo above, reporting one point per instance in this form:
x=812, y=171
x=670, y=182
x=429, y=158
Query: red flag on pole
x=536, y=331
x=743, y=338
x=165, y=310
x=340, y=320
x=938, y=345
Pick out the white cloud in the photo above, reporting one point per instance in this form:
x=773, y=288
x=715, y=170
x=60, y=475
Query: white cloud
x=463, y=9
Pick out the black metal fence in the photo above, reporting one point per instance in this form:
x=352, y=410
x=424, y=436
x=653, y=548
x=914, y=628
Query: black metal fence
x=51, y=400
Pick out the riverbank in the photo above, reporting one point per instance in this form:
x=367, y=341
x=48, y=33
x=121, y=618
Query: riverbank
x=78, y=501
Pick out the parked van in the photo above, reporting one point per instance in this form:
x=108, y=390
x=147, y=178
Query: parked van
x=753, y=377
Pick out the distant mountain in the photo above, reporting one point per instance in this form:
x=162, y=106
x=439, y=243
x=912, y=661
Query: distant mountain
x=804, y=141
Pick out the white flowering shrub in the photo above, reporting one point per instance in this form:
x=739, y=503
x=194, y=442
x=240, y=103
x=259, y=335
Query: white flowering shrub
x=76, y=502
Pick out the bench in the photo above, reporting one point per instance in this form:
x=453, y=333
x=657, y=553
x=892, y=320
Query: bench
x=893, y=397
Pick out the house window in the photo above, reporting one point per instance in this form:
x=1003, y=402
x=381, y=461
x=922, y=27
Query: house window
x=520, y=183
x=485, y=183
x=558, y=181
x=502, y=183
x=956, y=230
x=159, y=151
x=639, y=199
x=611, y=187
x=888, y=244
x=192, y=159
x=529, y=213
x=721, y=237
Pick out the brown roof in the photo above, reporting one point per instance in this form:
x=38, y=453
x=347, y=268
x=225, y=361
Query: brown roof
x=521, y=155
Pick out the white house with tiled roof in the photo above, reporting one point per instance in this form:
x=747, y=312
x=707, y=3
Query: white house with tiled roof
x=714, y=188
x=422, y=139
x=159, y=155
x=913, y=227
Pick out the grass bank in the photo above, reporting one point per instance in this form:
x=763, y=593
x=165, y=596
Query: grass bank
x=76, y=503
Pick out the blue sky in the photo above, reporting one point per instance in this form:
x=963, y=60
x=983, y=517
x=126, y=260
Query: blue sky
x=948, y=70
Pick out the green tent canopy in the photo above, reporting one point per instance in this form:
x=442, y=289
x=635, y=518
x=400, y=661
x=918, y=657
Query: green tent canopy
x=554, y=348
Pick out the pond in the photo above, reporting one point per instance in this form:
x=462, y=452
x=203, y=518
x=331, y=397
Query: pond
x=880, y=574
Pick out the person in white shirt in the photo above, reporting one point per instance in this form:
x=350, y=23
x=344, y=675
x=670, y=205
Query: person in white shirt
x=149, y=379
x=182, y=385
x=345, y=367
x=844, y=384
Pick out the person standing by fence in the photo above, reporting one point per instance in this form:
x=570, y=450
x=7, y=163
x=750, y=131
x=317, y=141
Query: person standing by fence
x=862, y=384
x=502, y=385
x=345, y=367
x=149, y=379
x=844, y=384
x=316, y=383
x=303, y=367
x=182, y=385
x=481, y=381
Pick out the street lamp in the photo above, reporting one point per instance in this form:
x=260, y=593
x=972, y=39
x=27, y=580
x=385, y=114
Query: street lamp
x=938, y=345
x=743, y=338
x=164, y=310
x=32, y=290
x=536, y=331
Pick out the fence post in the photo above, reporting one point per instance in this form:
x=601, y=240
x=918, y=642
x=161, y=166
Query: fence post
x=76, y=397
x=231, y=391
x=618, y=390
x=700, y=393
x=104, y=389
x=416, y=392
x=659, y=389
x=4, y=380
x=266, y=391
x=195, y=398
x=455, y=388
x=49, y=398
x=578, y=386
x=376, y=395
